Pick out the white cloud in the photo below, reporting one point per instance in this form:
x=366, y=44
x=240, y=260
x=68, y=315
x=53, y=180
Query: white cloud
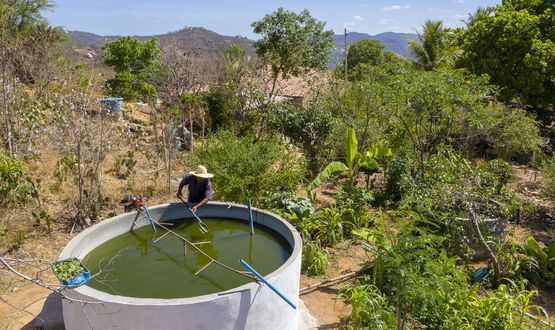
x=458, y=1
x=459, y=16
x=395, y=7
x=386, y=20
x=358, y=18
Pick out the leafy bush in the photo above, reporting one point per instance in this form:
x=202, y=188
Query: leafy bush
x=331, y=226
x=15, y=183
x=371, y=309
x=316, y=260
x=248, y=167
x=450, y=179
x=548, y=171
x=286, y=201
x=354, y=197
x=308, y=127
x=422, y=281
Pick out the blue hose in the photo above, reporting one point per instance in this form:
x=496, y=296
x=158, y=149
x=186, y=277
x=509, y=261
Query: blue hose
x=249, y=267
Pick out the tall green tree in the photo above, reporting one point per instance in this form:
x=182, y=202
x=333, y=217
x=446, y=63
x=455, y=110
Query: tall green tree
x=132, y=60
x=293, y=44
x=368, y=51
x=514, y=43
x=431, y=50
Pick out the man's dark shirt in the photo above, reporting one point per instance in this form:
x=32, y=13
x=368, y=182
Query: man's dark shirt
x=197, y=190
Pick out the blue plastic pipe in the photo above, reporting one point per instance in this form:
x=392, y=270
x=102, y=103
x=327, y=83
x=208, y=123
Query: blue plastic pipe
x=251, y=224
x=249, y=267
x=149, y=217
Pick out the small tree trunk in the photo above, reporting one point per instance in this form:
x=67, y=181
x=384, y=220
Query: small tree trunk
x=9, y=136
x=483, y=243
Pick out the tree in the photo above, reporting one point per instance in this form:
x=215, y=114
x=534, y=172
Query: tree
x=132, y=60
x=292, y=44
x=432, y=50
x=27, y=45
x=368, y=51
x=514, y=43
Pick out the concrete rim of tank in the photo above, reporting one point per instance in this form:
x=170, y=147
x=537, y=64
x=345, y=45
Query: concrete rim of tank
x=109, y=298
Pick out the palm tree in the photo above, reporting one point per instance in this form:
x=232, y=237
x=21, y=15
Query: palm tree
x=431, y=51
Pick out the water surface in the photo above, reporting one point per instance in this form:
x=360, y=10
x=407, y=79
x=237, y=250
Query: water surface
x=133, y=265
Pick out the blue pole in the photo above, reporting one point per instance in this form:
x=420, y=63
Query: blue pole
x=251, y=224
x=247, y=266
x=149, y=217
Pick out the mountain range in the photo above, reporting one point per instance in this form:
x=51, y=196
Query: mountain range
x=208, y=42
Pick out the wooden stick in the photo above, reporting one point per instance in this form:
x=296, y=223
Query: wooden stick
x=200, y=243
x=208, y=264
x=159, y=238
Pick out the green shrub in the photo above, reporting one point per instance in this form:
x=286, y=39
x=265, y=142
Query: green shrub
x=422, y=281
x=15, y=183
x=354, y=197
x=309, y=128
x=331, y=227
x=370, y=307
x=248, y=167
x=450, y=179
x=316, y=260
x=548, y=171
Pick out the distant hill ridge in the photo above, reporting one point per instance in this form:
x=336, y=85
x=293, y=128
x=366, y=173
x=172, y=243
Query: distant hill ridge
x=206, y=41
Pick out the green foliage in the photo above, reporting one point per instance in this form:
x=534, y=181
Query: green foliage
x=132, y=60
x=450, y=178
x=514, y=43
x=548, y=172
x=316, y=260
x=366, y=51
x=217, y=103
x=333, y=169
x=432, y=50
x=354, y=197
x=370, y=307
x=15, y=183
x=308, y=127
x=292, y=43
x=42, y=215
x=245, y=166
x=421, y=280
x=128, y=54
x=67, y=269
x=331, y=229
x=128, y=163
x=286, y=201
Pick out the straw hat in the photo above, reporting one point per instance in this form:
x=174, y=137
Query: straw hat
x=201, y=172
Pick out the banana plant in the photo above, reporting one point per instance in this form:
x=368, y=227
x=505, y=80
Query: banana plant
x=354, y=160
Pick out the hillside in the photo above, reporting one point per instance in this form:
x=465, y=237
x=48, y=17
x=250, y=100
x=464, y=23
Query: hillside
x=197, y=38
x=188, y=39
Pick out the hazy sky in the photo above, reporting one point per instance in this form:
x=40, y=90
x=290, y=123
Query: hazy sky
x=143, y=17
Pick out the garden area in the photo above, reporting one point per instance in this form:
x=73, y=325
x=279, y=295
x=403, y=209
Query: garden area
x=423, y=189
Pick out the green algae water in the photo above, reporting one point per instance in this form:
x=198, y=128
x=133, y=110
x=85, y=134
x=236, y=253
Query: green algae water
x=134, y=265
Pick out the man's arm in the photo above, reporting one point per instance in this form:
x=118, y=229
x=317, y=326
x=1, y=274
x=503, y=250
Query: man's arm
x=199, y=204
x=183, y=183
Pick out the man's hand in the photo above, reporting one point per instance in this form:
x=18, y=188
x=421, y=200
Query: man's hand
x=179, y=194
x=194, y=209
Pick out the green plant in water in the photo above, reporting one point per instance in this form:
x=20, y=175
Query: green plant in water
x=67, y=269
x=316, y=260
